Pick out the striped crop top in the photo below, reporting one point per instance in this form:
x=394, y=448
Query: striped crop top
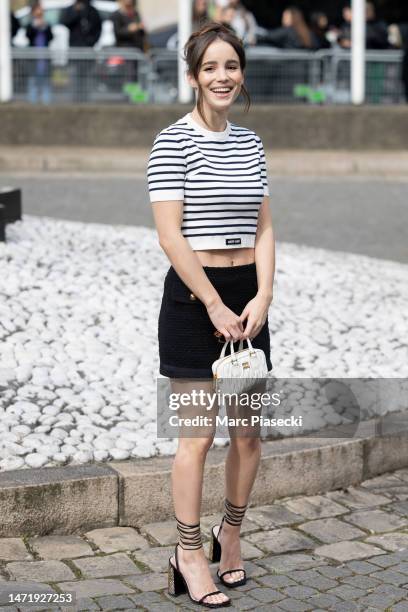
x=220, y=177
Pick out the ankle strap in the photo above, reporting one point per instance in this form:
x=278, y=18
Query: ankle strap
x=189, y=535
x=234, y=514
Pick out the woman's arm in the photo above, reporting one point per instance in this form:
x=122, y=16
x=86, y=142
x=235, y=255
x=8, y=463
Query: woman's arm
x=256, y=310
x=168, y=219
x=265, y=251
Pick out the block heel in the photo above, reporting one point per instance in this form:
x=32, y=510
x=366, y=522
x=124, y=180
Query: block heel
x=177, y=585
x=215, y=549
x=175, y=581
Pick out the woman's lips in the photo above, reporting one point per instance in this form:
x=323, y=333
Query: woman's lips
x=221, y=95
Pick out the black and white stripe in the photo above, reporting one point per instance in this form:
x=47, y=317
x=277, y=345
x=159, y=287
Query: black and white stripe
x=220, y=177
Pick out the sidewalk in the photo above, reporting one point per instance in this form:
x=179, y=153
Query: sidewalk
x=345, y=550
x=282, y=162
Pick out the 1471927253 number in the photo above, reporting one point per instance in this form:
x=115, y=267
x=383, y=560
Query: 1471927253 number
x=41, y=598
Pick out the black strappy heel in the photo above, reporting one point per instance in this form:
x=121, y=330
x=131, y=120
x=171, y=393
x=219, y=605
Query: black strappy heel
x=190, y=536
x=233, y=516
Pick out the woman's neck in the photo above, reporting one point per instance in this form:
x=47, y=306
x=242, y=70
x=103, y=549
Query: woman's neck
x=217, y=122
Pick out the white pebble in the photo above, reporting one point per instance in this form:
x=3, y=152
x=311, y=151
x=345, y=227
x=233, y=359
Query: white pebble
x=101, y=455
x=35, y=460
x=119, y=454
x=11, y=463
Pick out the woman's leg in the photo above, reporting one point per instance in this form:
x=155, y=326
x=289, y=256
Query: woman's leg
x=187, y=483
x=241, y=467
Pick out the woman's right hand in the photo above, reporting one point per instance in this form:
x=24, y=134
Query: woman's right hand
x=226, y=321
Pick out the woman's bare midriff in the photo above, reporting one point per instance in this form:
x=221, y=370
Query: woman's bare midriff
x=226, y=257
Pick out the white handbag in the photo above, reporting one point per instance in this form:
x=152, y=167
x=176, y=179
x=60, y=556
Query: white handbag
x=239, y=371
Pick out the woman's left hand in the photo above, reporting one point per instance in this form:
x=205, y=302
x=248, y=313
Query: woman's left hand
x=255, y=312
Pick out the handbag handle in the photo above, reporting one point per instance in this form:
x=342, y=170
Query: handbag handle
x=231, y=343
x=224, y=348
x=241, y=344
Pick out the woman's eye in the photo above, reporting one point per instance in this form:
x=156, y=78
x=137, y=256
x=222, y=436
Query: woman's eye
x=228, y=68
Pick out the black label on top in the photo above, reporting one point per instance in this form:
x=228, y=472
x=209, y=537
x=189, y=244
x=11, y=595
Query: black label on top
x=233, y=241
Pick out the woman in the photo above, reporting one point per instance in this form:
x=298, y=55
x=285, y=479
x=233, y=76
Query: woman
x=208, y=185
x=294, y=32
x=243, y=21
x=319, y=24
x=39, y=35
x=128, y=26
x=129, y=32
x=200, y=14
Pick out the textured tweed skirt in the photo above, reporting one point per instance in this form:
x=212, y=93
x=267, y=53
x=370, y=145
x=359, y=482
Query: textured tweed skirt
x=187, y=345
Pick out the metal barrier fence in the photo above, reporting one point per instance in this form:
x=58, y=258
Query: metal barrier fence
x=118, y=75
x=383, y=80
x=81, y=75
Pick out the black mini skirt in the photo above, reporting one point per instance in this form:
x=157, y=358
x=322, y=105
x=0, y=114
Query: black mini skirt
x=187, y=345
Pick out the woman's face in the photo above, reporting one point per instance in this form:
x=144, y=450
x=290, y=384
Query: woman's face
x=228, y=14
x=287, y=19
x=38, y=12
x=322, y=22
x=220, y=68
x=201, y=6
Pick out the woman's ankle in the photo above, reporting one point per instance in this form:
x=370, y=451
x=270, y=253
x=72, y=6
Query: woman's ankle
x=190, y=555
x=230, y=530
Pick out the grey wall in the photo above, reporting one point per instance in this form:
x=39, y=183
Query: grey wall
x=280, y=127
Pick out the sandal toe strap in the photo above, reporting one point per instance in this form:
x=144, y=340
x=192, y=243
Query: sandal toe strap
x=239, y=569
x=208, y=595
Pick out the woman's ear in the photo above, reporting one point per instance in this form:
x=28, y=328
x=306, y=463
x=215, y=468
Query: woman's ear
x=191, y=81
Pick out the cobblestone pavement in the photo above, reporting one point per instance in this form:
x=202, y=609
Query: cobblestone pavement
x=346, y=550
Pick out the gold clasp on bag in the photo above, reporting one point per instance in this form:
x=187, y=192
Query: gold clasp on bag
x=245, y=365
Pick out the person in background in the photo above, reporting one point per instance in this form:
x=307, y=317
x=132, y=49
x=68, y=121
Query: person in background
x=227, y=16
x=344, y=34
x=128, y=26
x=200, y=14
x=39, y=35
x=14, y=26
x=319, y=24
x=376, y=29
x=398, y=39
x=83, y=22
x=241, y=20
x=85, y=26
x=294, y=32
x=129, y=32
x=404, y=70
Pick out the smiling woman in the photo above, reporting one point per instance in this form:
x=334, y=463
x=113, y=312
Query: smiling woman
x=209, y=191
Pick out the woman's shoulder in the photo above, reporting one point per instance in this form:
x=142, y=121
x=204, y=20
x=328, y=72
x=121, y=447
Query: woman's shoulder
x=177, y=131
x=241, y=131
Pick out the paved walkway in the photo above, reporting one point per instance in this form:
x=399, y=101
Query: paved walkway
x=344, y=551
x=283, y=162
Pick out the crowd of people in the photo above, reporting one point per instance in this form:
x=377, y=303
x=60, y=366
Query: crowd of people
x=297, y=30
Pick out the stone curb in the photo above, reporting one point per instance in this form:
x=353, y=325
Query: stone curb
x=280, y=162
x=74, y=499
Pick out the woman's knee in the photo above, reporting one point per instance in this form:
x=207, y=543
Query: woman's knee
x=195, y=446
x=246, y=444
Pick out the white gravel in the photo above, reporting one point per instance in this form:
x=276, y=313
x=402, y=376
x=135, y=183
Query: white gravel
x=79, y=305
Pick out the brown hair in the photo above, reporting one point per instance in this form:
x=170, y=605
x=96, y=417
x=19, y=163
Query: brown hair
x=196, y=46
x=300, y=26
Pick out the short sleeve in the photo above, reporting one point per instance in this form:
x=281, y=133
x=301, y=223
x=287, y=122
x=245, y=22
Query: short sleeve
x=264, y=175
x=166, y=168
